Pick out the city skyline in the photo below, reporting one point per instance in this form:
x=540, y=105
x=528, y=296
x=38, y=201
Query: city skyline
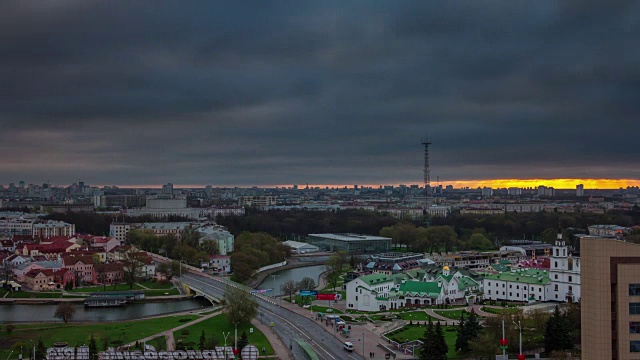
x=269, y=93
x=561, y=184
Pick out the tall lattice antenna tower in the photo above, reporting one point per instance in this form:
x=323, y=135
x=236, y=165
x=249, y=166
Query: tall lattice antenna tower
x=427, y=175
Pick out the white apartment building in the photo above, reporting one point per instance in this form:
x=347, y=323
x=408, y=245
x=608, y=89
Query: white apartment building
x=119, y=231
x=223, y=238
x=16, y=226
x=53, y=228
x=256, y=201
x=526, y=285
x=369, y=292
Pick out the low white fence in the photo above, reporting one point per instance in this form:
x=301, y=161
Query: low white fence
x=272, y=266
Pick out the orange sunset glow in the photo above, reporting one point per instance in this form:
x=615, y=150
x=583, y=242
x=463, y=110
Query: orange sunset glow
x=506, y=183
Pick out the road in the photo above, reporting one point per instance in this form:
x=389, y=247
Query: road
x=288, y=325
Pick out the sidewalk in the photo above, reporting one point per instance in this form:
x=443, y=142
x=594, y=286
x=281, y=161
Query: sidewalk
x=276, y=343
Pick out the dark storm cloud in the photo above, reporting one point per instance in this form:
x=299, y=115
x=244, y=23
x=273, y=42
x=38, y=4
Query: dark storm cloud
x=323, y=92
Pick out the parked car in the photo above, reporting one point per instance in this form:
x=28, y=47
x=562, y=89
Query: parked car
x=347, y=346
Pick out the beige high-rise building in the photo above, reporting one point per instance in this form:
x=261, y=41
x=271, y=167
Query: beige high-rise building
x=610, y=299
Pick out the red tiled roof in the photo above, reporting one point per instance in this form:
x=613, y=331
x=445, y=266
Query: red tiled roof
x=33, y=273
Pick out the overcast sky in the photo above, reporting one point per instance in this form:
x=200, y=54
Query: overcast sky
x=325, y=92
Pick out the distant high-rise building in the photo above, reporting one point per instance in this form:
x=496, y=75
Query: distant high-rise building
x=167, y=189
x=487, y=192
x=546, y=191
x=21, y=184
x=580, y=190
x=515, y=191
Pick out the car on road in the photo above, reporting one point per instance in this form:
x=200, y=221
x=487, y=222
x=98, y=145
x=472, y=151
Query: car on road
x=347, y=346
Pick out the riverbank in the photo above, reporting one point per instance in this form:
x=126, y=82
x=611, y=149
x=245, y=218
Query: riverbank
x=293, y=263
x=44, y=301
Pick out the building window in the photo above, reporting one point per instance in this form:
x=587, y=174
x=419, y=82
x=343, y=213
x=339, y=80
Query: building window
x=556, y=276
x=556, y=264
x=634, y=289
x=634, y=346
x=634, y=327
x=570, y=279
x=556, y=287
x=634, y=308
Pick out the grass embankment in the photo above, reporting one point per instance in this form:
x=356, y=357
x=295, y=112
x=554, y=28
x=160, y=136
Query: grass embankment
x=78, y=334
x=216, y=326
x=500, y=311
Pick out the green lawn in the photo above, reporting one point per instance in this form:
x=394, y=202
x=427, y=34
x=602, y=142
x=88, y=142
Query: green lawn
x=158, y=285
x=166, y=292
x=34, y=294
x=413, y=332
x=216, y=326
x=117, y=287
x=116, y=333
x=154, y=288
x=451, y=314
x=324, y=309
x=416, y=316
x=500, y=311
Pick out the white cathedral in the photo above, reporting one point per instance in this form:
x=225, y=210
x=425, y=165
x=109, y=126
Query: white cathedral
x=561, y=283
x=564, y=274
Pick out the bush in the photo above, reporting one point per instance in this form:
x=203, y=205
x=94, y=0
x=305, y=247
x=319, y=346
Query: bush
x=184, y=320
x=184, y=332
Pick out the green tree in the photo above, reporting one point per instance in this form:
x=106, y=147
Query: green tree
x=428, y=346
x=442, y=237
x=480, y=242
x=462, y=339
x=9, y=328
x=41, y=351
x=202, y=343
x=244, y=341
x=549, y=235
x=557, y=334
x=239, y=305
x=93, y=349
x=441, y=346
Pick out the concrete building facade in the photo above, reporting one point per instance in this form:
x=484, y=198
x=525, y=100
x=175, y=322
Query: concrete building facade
x=610, y=313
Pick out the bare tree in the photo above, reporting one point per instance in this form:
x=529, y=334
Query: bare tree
x=133, y=264
x=306, y=283
x=65, y=311
x=289, y=287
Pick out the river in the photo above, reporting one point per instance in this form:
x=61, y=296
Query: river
x=292, y=274
x=44, y=312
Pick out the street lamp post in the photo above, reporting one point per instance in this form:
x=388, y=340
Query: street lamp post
x=225, y=342
x=520, y=355
x=362, y=342
x=9, y=354
x=236, y=336
x=274, y=284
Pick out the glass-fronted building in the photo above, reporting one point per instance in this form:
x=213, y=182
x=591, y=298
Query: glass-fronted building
x=351, y=243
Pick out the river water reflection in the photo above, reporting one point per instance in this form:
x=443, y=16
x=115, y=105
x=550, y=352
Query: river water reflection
x=292, y=274
x=44, y=312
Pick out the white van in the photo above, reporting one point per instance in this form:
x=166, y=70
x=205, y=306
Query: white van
x=347, y=346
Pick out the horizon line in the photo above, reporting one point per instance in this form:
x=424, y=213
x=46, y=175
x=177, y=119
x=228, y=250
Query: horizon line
x=557, y=183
